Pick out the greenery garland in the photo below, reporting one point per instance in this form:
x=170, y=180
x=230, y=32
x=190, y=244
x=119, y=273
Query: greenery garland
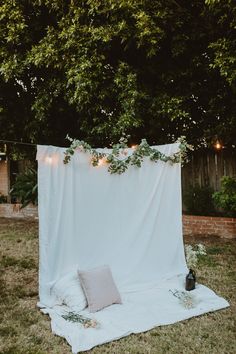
x=119, y=165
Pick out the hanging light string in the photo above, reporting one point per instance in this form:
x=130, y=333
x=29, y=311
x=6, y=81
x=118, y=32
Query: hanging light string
x=115, y=164
x=16, y=142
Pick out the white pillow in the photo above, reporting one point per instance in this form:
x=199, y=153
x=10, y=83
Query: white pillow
x=99, y=287
x=68, y=291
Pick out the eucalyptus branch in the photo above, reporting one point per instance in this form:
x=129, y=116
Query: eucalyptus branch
x=77, y=318
x=186, y=299
x=118, y=165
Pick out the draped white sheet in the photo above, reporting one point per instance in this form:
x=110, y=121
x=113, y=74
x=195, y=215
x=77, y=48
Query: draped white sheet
x=132, y=222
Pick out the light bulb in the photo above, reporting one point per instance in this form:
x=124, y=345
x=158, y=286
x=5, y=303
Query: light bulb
x=218, y=145
x=48, y=159
x=101, y=162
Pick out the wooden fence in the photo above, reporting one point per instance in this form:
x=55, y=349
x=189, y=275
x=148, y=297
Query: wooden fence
x=207, y=167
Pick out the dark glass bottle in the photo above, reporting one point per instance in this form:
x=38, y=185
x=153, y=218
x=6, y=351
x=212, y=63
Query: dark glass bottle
x=190, y=280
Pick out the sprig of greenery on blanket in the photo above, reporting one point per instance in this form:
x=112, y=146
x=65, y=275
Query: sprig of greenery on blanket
x=185, y=298
x=77, y=318
x=119, y=165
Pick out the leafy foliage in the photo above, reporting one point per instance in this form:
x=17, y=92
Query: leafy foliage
x=198, y=200
x=78, y=318
x=119, y=159
x=224, y=47
x=25, y=189
x=3, y=198
x=226, y=197
x=96, y=69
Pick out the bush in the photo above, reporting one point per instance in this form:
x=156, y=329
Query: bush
x=198, y=200
x=3, y=198
x=25, y=189
x=226, y=197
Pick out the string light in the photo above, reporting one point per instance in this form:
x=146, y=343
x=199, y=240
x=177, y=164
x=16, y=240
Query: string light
x=101, y=162
x=218, y=145
x=134, y=146
x=48, y=159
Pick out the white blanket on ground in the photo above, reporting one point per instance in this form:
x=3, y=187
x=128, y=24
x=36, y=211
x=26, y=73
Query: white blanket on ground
x=140, y=311
x=132, y=222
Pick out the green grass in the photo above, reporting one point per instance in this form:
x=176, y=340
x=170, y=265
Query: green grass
x=25, y=330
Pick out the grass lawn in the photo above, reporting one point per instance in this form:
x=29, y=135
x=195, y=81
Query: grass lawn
x=25, y=330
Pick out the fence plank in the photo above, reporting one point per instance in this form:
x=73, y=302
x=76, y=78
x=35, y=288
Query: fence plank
x=207, y=167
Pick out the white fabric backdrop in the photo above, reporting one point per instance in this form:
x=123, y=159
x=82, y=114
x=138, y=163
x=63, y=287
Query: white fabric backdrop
x=89, y=217
x=132, y=222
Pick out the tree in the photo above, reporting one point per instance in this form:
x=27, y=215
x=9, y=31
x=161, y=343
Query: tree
x=224, y=45
x=95, y=69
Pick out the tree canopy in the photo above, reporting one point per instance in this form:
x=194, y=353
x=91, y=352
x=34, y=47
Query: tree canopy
x=96, y=69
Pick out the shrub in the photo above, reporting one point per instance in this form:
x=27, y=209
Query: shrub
x=226, y=197
x=3, y=198
x=25, y=189
x=198, y=200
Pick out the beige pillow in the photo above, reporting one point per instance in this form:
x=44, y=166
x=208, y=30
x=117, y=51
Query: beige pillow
x=99, y=288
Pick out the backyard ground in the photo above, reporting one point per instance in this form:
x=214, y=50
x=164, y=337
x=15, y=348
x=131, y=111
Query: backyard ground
x=25, y=330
